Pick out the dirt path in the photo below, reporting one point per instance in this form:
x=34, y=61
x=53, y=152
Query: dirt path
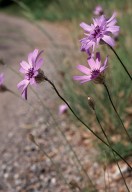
x=23, y=168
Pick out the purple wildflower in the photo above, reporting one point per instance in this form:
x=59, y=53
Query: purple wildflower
x=63, y=109
x=98, y=10
x=95, y=70
x=99, y=31
x=1, y=79
x=30, y=70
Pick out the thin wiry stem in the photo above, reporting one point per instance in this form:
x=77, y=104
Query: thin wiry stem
x=68, y=143
x=110, y=145
x=74, y=153
x=120, y=62
x=57, y=92
x=107, y=90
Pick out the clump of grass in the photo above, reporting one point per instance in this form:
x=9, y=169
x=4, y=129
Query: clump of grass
x=125, y=151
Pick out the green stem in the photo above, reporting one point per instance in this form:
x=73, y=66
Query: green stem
x=54, y=87
x=120, y=61
x=58, y=129
x=107, y=90
x=70, y=146
x=110, y=145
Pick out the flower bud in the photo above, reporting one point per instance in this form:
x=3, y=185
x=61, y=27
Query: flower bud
x=91, y=103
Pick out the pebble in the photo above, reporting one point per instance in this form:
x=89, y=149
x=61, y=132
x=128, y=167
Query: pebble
x=6, y=175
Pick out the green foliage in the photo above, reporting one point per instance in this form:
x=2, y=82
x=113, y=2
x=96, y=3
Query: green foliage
x=116, y=78
x=106, y=154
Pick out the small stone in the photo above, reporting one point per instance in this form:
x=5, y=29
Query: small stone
x=6, y=175
x=18, y=182
x=16, y=176
x=53, y=181
x=10, y=134
x=33, y=168
x=41, y=177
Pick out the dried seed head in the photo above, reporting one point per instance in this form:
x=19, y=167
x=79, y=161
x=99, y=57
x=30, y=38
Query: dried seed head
x=91, y=103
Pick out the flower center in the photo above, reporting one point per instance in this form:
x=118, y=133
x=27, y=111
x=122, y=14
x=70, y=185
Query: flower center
x=95, y=73
x=30, y=73
x=97, y=32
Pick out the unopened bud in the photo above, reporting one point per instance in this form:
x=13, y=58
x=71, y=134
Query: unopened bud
x=91, y=103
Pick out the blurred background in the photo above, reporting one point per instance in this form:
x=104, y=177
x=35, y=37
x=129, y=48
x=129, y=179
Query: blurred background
x=54, y=27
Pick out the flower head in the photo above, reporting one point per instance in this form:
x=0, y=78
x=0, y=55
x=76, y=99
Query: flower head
x=98, y=10
x=31, y=70
x=94, y=72
x=100, y=30
x=63, y=109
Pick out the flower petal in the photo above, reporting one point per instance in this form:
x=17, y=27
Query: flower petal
x=111, y=23
x=39, y=64
x=83, y=69
x=24, y=94
x=24, y=83
x=32, y=57
x=32, y=81
x=82, y=79
x=109, y=40
x=105, y=65
x=25, y=65
x=85, y=26
x=91, y=63
x=1, y=79
x=112, y=17
x=22, y=87
x=23, y=70
x=113, y=29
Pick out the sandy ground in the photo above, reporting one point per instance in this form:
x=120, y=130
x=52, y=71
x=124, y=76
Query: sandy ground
x=23, y=167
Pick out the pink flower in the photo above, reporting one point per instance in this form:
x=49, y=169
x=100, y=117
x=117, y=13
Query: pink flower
x=63, y=109
x=95, y=70
x=98, y=10
x=1, y=79
x=99, y=31
x=30, y=70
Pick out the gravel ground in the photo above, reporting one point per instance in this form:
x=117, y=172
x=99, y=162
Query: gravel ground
x=24, y=167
